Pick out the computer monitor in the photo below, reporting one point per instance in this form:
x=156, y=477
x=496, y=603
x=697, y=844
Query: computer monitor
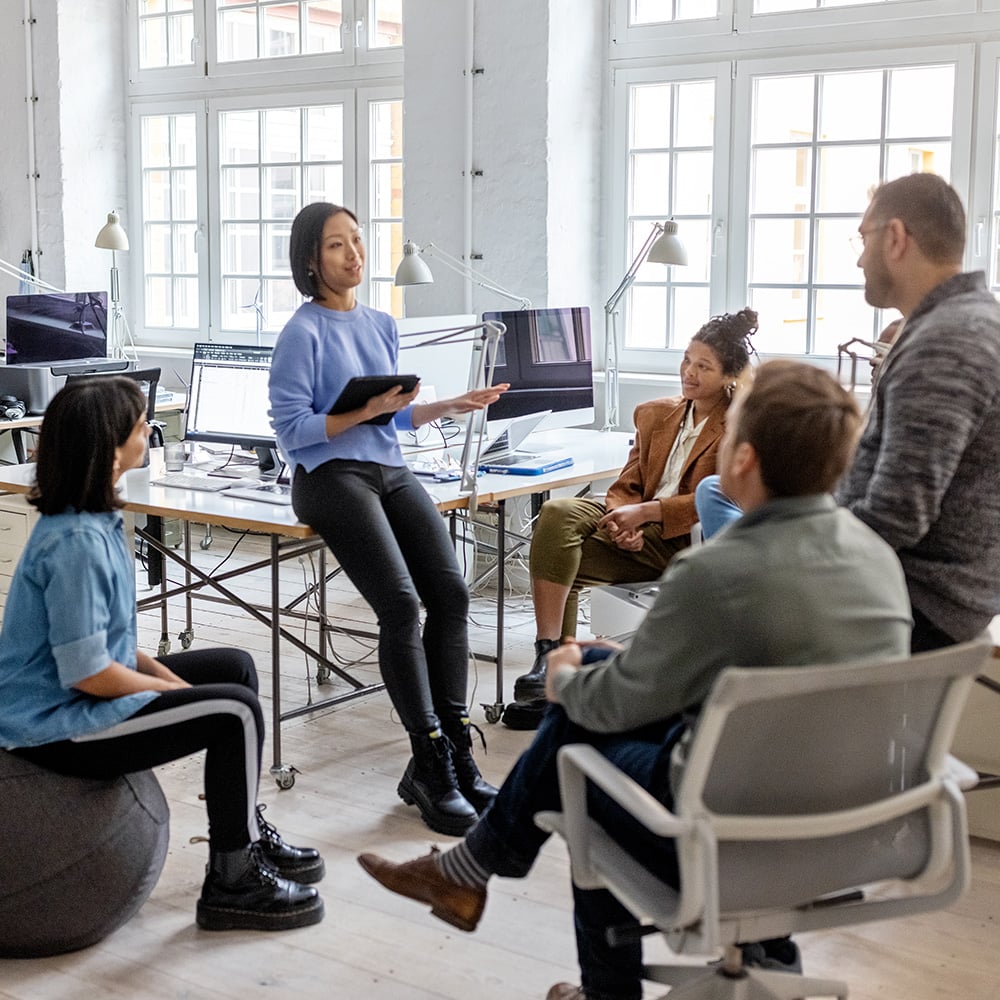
x=546, y=357
x=63, y=326
x=228, y=399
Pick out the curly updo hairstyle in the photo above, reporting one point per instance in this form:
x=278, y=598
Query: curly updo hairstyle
x=729, y=337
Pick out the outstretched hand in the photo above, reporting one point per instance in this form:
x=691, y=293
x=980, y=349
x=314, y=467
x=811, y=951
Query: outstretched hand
x=475, y=399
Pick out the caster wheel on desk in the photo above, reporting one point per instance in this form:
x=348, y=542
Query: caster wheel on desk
x=493, y=713
x=284, y=775
x=186, y=638
x=164, y=646
x=322, y=675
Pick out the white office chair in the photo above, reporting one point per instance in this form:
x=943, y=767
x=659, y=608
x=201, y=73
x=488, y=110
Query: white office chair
x=812, y=797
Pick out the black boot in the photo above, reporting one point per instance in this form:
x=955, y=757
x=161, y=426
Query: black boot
x=531, y=686
x=430, y=783
x=479, y=792
x=300, y=864
x=242, y=892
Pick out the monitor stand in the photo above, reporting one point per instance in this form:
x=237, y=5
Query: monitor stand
x=269, y=462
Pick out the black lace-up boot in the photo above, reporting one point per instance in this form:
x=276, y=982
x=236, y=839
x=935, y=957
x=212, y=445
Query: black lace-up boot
x=430, y=783
x=242, y=892
x=531, y=686
x=300, y=864
x=479, y=792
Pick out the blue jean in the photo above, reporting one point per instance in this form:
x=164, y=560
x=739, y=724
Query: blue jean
x=715, y=509
x=506, y=841
x=394, y=546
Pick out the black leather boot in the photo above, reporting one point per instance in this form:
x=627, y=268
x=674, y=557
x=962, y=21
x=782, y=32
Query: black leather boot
x=430, y=783
x=531, y=686
x=300, y=864
x=479, y=792
x=242, y=892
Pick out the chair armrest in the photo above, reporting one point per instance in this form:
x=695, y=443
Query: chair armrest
x=579, y=761
x=963, y=775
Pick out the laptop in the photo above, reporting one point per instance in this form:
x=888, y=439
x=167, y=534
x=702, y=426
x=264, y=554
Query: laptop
x=505, y=444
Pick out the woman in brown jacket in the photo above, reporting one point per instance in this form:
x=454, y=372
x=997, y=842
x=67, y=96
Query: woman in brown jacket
x=647, y=515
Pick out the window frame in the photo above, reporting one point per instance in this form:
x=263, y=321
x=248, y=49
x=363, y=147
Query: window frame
x=142, y=333
x=646, y=360
x=963, y=58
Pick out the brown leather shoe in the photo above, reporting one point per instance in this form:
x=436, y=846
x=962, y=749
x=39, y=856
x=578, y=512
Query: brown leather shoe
x=422, y=880
x=565, y=991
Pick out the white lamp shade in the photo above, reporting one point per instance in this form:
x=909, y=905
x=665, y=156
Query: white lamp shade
x=412, y=269
x=112, y=236
x=668, y=249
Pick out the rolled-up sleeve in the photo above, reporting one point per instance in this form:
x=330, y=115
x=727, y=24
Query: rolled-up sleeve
x=78, y=595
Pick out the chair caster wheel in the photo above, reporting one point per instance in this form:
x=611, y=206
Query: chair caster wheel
x=493, y=713
x=164, y=646
x=186, y=638
x=284, y=775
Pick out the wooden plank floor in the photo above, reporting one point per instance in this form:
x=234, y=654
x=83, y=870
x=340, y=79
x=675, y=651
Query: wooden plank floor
x=375, y=945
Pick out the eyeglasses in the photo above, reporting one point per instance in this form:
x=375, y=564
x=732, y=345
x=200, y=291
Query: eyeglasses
x=857, y=241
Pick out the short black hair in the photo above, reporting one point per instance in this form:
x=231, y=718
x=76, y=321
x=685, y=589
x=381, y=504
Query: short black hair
x=84, y=423
x=306, y=240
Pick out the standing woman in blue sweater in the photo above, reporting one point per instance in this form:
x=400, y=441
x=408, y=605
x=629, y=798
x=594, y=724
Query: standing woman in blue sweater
x=351, y=485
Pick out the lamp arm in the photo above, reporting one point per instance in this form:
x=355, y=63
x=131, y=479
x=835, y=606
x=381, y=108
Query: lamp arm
x=465, y=271
x=483, y=370
x=633, y=269
x=15, y=271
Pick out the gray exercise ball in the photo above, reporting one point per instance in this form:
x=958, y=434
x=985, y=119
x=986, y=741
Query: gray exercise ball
x=78, y=857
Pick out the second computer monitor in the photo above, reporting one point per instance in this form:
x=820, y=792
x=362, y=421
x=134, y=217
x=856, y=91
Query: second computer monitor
x=228, y=397
x=545, y=355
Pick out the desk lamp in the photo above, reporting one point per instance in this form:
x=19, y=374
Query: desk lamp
x=113, y=237
x=662, y=246
x=413, y=270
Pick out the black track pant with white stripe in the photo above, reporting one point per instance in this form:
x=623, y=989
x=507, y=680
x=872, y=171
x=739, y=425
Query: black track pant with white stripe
x=219, y=713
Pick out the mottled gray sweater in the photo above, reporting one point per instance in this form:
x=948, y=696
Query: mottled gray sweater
x=926, y=476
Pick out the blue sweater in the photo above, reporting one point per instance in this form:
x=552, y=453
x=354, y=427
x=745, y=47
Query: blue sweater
x=317, y=353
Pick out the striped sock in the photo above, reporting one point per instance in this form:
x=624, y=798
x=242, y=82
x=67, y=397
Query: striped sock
x=458, y=865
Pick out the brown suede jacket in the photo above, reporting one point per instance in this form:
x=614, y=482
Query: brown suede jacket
x=657, y=423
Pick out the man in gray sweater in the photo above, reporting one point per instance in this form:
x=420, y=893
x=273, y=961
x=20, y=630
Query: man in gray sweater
x=797, y=580
x=926, y=475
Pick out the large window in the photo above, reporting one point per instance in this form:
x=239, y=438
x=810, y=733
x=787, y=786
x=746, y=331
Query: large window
x=819, y=142
x=226, y=160
x=767, y=205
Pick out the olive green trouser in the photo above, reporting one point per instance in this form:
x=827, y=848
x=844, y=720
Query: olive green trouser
x=568, y=548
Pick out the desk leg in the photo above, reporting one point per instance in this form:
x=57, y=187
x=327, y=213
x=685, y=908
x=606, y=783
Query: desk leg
x=497, y=708
x=17, y=441
x=187, y=635
x=283, y=774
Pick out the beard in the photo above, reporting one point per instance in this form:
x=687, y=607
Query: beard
x=878, y=285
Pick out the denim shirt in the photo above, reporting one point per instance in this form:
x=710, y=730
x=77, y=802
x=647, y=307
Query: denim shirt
x=70, y=612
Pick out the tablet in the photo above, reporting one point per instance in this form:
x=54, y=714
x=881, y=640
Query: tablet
x=361, y=388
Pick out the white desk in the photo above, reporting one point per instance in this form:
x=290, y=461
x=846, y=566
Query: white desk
x=597, y=456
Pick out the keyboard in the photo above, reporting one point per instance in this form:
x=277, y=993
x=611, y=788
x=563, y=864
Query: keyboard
x=191, y=481
x=266, y=492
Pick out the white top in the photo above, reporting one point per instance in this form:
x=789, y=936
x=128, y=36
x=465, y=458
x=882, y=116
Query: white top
x=679, y=454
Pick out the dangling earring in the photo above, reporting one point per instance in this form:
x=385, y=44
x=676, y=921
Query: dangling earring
x=311, y=273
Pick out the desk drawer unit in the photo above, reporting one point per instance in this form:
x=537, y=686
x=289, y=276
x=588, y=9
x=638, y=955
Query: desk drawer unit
x=17, y=517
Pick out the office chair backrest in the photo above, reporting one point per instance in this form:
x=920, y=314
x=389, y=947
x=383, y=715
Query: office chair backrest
x=820, y=740
x=148, y=379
